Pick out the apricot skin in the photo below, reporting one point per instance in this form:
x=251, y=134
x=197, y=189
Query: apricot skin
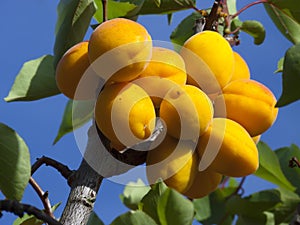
x=177, y=167
x=235, y=152
x=249, y=103
x=213, y=50
x=70, y=71
x=119, y=49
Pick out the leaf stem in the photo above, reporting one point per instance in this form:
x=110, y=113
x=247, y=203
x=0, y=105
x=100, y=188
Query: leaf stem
x=248, y=6
x=43, y=196
x=19, y=209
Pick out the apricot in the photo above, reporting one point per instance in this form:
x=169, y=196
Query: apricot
x=173, y=161
x=165, y=63
x=249, y=103
x=125, y=114
x=256, y=139
x=119, y=49
x=241, y=69
x=215, y=58
x=227, y=148
x=203, y=184
x=156, y=87
x=187, y=112
x=73, y=76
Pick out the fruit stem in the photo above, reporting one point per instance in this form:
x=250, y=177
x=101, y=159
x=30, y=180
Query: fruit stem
x=104, y=10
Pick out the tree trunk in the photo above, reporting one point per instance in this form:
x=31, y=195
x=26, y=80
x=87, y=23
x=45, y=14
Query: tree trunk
x=82, y=196
x=99, y=162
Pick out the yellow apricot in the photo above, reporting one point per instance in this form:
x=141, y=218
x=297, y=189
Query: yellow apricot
x=125, y=114
x=119, y=49
x=203, y=184
x=187, y=112
x=241, y=69
x=213, y=53
x=165, y=63
x=173, y=161
x=73, y=78
x=227, y=148
x=256, y=139
x=249, y=103
x=156, y=87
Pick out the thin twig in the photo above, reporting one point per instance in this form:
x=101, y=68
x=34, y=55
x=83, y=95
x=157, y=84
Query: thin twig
x=43, y=196
x=19, y=209
x=294, y=162
x=104, y=10
x=63, y=169
x=248, y=6
x=239, y=187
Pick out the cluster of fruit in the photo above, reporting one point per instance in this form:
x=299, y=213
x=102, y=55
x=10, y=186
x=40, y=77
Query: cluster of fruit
x=212, y=111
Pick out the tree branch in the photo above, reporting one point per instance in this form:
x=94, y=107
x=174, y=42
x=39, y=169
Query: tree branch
x=294, y=162
x=19, y=209
x=104, y=10
x=43, y=196
x=213, y=16
x=63, y=169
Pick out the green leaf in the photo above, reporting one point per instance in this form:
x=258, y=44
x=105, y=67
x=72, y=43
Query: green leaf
x=255, y=29
x=285, y=211
x=157, y=2
x=255, y=204
x=290, y=77
x=218, y=209
x=94, y=219
x=269, y=167
x=292, y=174
x=173, y=208
x=31, y=219
x=117, y=9
x=35, y=80
x=285, y=15
x=150, y=200
x=76, y=114
x=134, y=218
x=15, y=168
x=73, y=20
x=185, y=29
x=202, y=206
x=133, y=194
x=166, y=6
x=279, y=65
x=231, y=4
x=264, y=218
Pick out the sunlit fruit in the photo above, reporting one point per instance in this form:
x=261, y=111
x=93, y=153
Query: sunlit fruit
x=165, y=63
x=74, y=78
x=119, y=49
x=205, y=51
x=203, y=184
x=227, y=148
x=174, y=162
x=241, y=69
x=249, y=103
x=125, y=114
x=187, y=112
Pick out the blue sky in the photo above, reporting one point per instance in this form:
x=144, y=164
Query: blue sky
x=27, y=32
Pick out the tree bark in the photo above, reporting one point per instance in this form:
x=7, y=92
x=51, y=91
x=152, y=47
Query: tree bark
x=98, y=162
